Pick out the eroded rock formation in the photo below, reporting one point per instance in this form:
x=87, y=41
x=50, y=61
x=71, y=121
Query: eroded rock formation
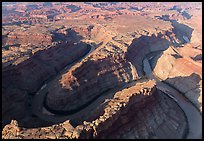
x=47, y=95
x=24, y=38
x=121, y=117
x=143, y=46
x=182, y=73
x=102, y=71
x=28, y=76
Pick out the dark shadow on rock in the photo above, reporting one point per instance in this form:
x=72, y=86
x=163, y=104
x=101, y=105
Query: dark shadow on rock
x=8, y=46
x=141, y=47
x=20, y=82
x=68, y=35
x=176, y=56
x=176, y=7
x=179, y=29
x=188, y=86
x=73, y=8
x=89, y=87
x=197, y=57
x=145, y=45
x=138, y=114
x=184, y=13
x=135, y=9
x=127, y=117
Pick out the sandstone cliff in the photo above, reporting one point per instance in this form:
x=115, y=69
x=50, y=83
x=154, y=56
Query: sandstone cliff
x=171, y=65
x=28, y=76
x=105, y=69
x=182, y=73
x=142, y=46
x=140, y=111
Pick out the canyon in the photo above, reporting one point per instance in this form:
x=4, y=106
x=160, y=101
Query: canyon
x=83, y=71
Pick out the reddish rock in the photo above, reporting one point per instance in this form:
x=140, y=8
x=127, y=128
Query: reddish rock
x=28, y=76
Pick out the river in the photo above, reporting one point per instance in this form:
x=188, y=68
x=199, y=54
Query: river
x=194, y=117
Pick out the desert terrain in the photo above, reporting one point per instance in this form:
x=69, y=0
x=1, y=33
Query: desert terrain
x=101, y=70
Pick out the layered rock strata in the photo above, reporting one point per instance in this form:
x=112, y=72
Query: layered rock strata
x=173, y=68
x=182, y=73
x=24, y=38
x=140, y=111
x=156, y=43
x=140, y=47
x=105, y=69
x=28, y=76
x=123, y=117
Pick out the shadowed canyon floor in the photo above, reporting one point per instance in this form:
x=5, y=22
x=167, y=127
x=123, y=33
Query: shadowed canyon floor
x=83, y=71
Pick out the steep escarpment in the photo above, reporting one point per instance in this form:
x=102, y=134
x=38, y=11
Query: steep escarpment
x=137, y=121
x=18, y=46
x=140, y=79
x=183, y=32
x=49, y=62
x=88, y=32
x=144, y=45
x=104, y=70
x=28, y=76
x=180, y=72
x=140, y=47
x=171, y=66
x=140, y=111
x=128, y=115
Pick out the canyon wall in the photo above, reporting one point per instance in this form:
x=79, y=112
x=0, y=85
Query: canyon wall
x=180, y=72
x=128, y=115
x=107, y=94
x=139, y=111
x=170, y=66
x=87, y=80
x=28, y=76
x=142, y=46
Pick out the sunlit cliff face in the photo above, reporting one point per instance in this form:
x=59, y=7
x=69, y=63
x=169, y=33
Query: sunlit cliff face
x=101, y=70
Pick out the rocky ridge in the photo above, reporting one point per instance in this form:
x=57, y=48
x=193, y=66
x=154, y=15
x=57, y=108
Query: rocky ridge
x=117, y=114
x=101, y=71
x=17, y=79
x=117, y=59
x=180, y=72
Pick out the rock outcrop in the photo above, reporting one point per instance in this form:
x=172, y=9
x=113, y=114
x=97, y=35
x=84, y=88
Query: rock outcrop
x=100, y=72
x=181, y=73
x=107, y=94
x=28, y=76
x=25, y=38
x=123, y=117
x=170, y=66
x=144, y=45
x=140, y=111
